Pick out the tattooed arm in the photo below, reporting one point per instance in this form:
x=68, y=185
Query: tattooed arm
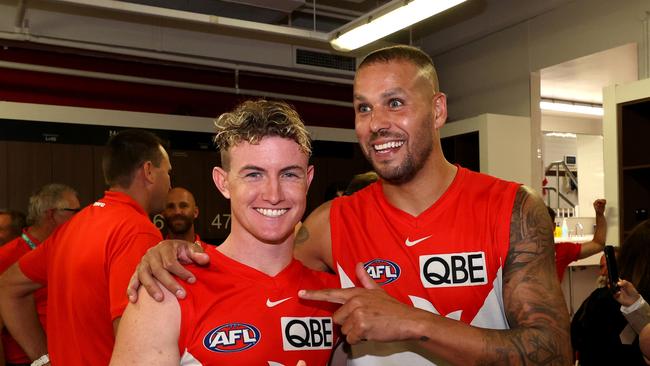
x=534, y=305
x=533, y=300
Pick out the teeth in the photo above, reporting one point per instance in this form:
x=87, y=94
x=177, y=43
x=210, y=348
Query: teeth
x=388, y=145
x=271, y=212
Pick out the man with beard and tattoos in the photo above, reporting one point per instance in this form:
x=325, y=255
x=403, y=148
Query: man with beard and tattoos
x=179, y=214
x=463, y=262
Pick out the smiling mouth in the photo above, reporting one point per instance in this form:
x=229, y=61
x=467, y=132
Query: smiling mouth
x=268, y=212
x=387, y=145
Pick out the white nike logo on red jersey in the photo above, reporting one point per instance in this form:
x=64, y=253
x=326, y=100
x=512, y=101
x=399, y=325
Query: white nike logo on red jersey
x=271, y=304
x=412, y=243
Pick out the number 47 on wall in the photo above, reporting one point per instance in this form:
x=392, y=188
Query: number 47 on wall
x=217, y=221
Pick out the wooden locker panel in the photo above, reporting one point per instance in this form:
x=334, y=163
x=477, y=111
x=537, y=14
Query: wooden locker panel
x=73, y=165
x=29, y=167
x=188, y=172
x=216, y=211
x=4, y=203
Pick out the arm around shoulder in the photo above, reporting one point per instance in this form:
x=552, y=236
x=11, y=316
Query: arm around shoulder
x=148, y=333
x=313, y=243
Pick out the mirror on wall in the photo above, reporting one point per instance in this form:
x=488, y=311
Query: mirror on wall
x=573, y=171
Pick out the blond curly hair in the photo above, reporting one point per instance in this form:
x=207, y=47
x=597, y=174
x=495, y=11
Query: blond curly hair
x=253, y=120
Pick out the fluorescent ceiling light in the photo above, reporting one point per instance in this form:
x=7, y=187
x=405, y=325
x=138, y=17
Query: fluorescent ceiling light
x=380, y=23
x=566, y=135
x=571, y=107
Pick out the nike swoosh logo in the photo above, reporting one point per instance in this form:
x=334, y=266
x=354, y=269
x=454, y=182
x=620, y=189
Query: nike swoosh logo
x=271, y=304
x=412, y=243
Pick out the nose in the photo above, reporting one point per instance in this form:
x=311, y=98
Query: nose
x=273, y=191
x=378, y=120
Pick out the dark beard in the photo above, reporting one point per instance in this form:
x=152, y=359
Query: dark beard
x=407, y=169
x=179, y=229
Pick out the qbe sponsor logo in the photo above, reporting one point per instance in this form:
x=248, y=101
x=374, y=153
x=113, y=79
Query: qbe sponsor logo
x=382, y=271
x=454, y=269
x=231, y=337
x=306, y=333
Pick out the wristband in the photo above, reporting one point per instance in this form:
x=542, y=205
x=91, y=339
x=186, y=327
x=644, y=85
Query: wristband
x=634, y=306
x=43, y=360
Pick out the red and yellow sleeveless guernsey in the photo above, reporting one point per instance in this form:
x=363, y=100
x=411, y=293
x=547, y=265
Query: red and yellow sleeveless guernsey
x=448, y=260
x=237, y=315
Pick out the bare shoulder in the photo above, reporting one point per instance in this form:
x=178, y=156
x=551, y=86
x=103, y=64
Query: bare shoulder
x=148, y=332
x=313, y=243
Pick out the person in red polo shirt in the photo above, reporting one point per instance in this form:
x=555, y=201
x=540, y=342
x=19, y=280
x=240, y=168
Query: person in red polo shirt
x=87, y=263
x=50, y=207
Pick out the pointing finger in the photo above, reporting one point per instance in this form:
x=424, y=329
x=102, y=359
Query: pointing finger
x=337, y=296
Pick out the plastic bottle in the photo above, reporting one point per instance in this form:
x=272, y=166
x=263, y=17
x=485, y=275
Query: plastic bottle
x=565, y=229
x=558, y=230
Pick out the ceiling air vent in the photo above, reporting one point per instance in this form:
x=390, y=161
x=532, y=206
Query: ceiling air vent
x=325, y=61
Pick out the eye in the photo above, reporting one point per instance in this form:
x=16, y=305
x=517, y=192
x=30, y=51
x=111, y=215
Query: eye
x=290, y=175
x=395, y=103
x=252, y=175
x=363, y=108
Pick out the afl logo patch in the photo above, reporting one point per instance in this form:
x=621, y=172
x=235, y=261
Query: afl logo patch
x=232, y=337
x=382, y=271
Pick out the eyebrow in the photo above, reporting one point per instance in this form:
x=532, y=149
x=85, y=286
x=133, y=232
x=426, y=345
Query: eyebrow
x=292, y=167
x=257, y=168
x=386, y=94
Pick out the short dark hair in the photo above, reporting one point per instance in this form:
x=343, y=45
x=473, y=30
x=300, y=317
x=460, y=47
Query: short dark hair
x=411, y=54
x=18, y=220
x=633, y=260
x=361, y=181
x=125, y=152
x=253, y=120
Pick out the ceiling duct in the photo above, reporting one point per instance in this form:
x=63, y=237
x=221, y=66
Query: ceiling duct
x=324, y=61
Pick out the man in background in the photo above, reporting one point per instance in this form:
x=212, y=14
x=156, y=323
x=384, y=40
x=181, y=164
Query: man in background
x=52, y=206
x=12, y=223
x=87, y=263
x=179, y=214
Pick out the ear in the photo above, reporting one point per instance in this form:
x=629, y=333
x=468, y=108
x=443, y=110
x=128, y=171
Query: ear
x=439, y=109
x=147, y=169
x=196, y=212
x=310, y=175
x=220, y=178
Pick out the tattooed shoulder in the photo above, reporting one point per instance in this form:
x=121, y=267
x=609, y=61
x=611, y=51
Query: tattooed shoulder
x=531, y=229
